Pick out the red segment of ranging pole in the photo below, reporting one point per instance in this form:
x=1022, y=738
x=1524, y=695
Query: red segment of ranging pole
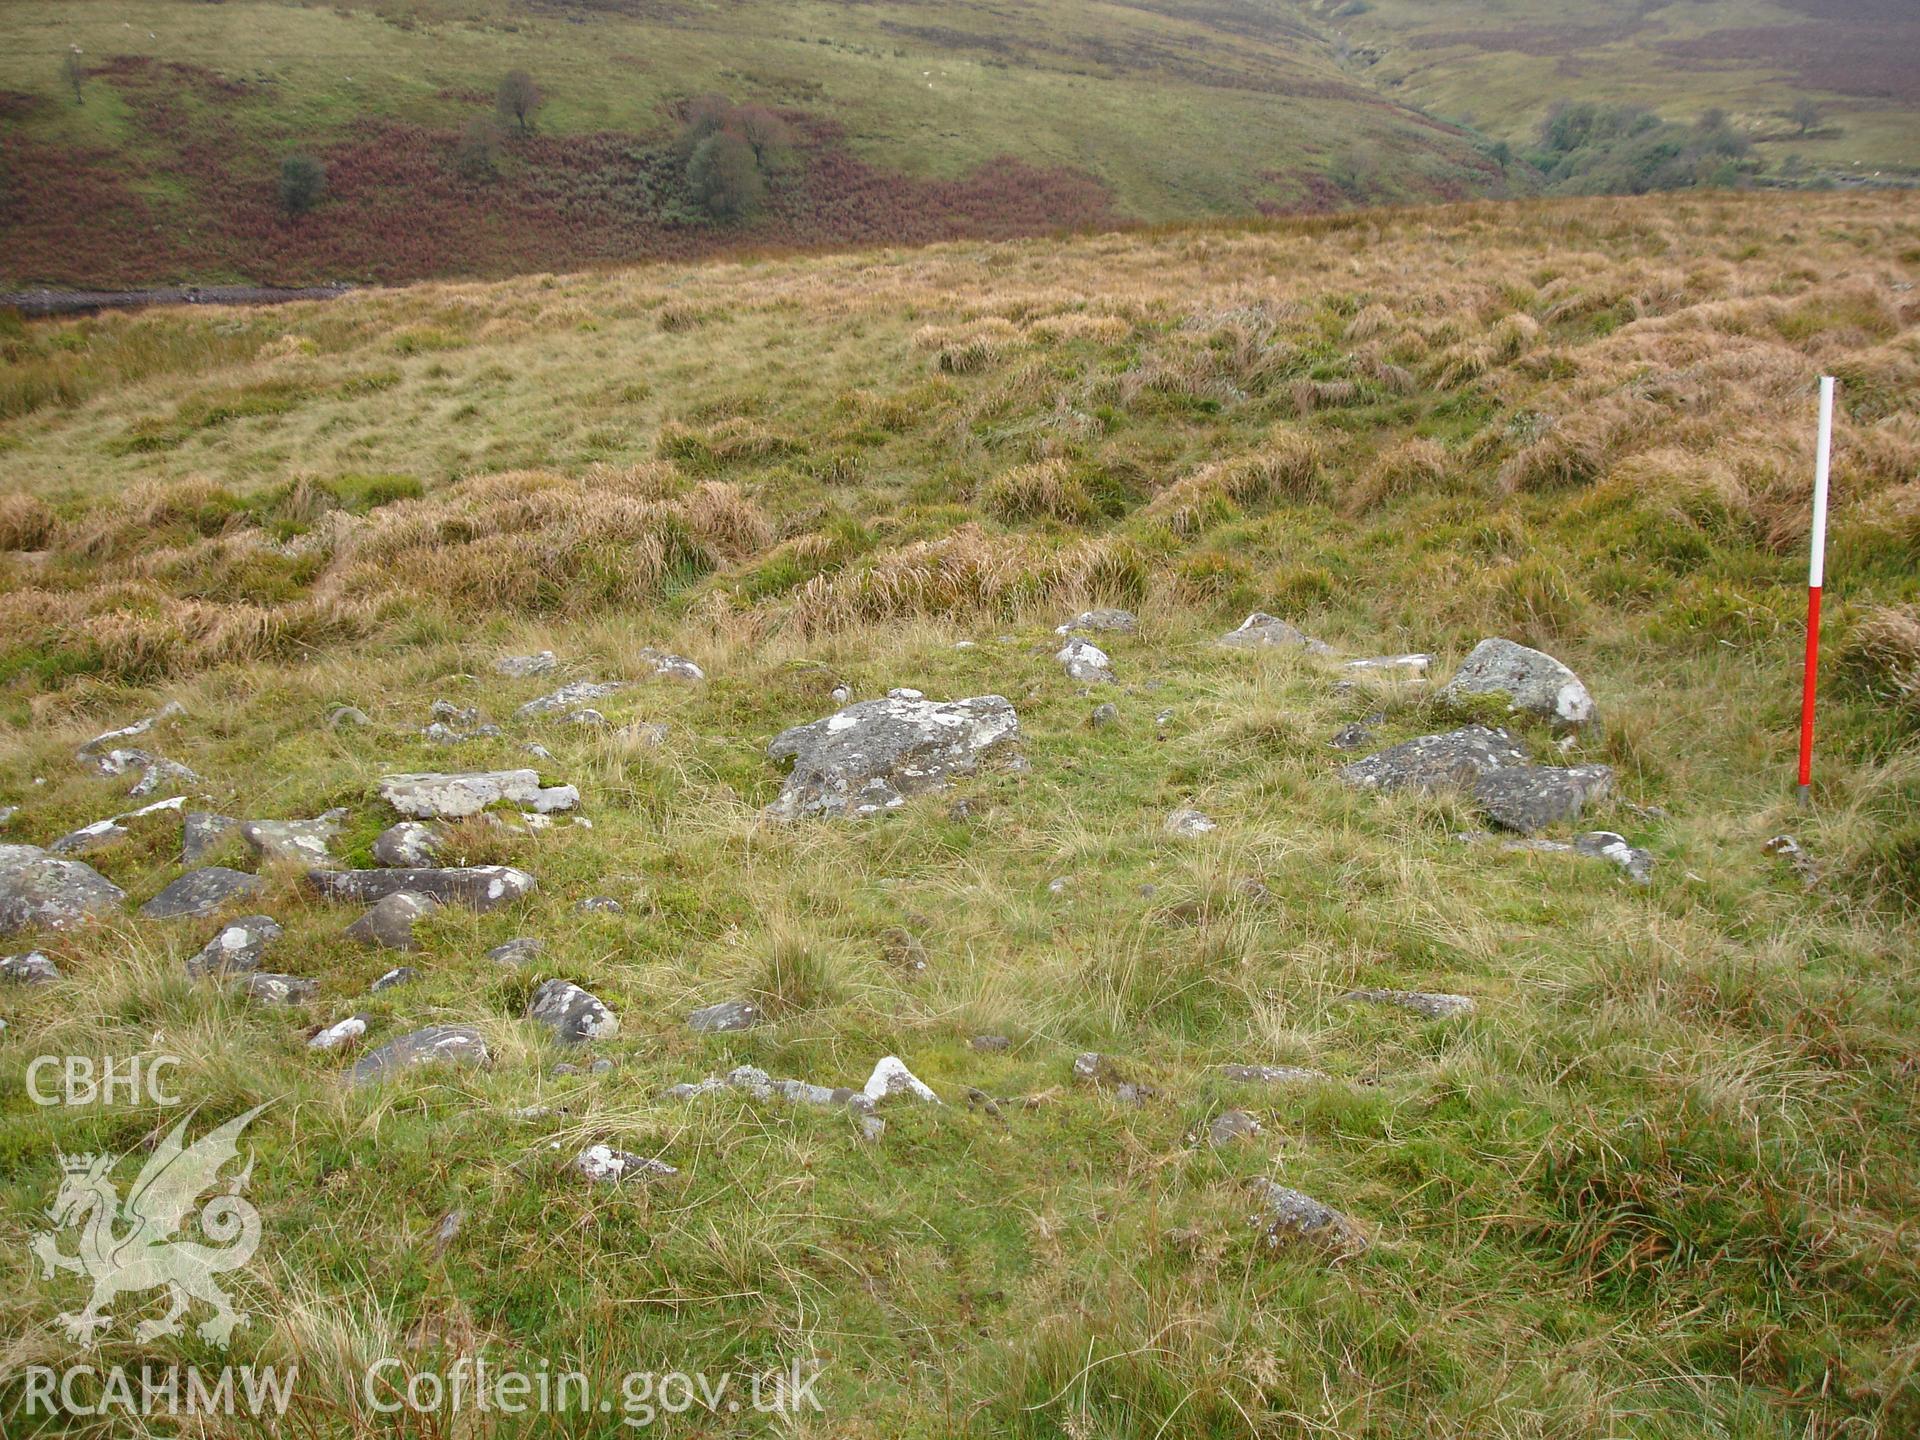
x=1816, y=574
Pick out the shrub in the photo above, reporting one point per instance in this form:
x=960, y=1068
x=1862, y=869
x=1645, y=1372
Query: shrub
x=303, y=180
x=517, y=99
x=476, y=155
x=725, y=177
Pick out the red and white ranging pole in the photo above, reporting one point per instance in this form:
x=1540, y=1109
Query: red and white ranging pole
x=1816, y=573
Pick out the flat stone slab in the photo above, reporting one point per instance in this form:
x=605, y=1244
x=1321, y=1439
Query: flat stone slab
x=293, y=842
x=436, y=1044
x=1272, y=1074
x=872, y=755
x=1433, y=762
x=1287, y=1216
x=604, y=1165
x=266, y=988
x=1428, y=1004
x=39, y=891
x=521, y=950
x=571, y=696
x=1532, y=681
x=1415, y=664
x=340, y=1034
x=573, y=1015
x=203, y=833
x=478, y=887
x=1122, y=622
x=1529, y=798
x=409, y=845
x=432, y=795
x=1262, y=631
x=201, y=892
x=727, y=1015
x=237, y=949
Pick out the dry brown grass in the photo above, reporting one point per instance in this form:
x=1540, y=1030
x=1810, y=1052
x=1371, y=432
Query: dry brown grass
x=26, y=523
x=1286, y=467
x=1044, y=490
x=1412, y=466
x=1884, y=652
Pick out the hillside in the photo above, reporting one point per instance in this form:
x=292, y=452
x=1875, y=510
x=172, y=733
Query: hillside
x=1657, y=1180
x=154, y=158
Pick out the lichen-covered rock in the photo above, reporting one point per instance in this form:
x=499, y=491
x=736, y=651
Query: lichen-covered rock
x=294, y=842
x=1529, y=798
x=1188, y=823
x=430, y=795
x=727, y=1015
x=600, y=905
x=672, y=667
x=389, y=924
x=237, y=949
x=1606, y=845
x=454, y=1044
x=201, y=892
x=1532, y=681
x=1433, y=762
x=1288, y=1216
x=32, y=968
x=478, y=887
x=1426, y=1003
x=409, y=845
x=202, y=833
x=1086, y=662
x=1230, y=1126
x=1272, y=1074
x=872, y=755
x=522, y=950
x=1414, y=665
x=1260, y=630
x=1123, y=622
x=42, y=891
x=525, y=667
x=573, y=1015
x=399, y=975
x=112, y=831
x=604, y=1165
x=571, y=696
x=266, y=988
x=1356, y=736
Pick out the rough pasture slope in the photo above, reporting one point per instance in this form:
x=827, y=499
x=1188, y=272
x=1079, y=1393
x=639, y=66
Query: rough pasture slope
x=1660, y=1178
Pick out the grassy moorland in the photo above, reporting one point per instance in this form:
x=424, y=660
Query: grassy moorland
x=1659, y=1183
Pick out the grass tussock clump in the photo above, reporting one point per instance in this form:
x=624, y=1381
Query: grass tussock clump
x=1883, y=657
x=1578, y=449
x=1079, y=325
x=1287, y=467
x=733, y=441
x=1413, y=466
x=970, y=348
x=1044, y=490
x=27, y=522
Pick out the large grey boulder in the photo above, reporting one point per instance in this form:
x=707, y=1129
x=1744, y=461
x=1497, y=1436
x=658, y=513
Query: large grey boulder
x=294, y=842
x=1433, y=762
x=42, y=891
x=201, y=892
x=452, y=1044
x=1086, y=662
x=1529, y=798
x=237, y=949
x=430, y=795
x=389, y=924
x=1532, y=682
x=478, y=887
x=411, y=844
x=573, y=1015
x=1262, y=631
x=1287, y=1216
x=872, y=755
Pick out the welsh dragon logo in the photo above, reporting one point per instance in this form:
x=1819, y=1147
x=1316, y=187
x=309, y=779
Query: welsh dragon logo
x=131, y=1246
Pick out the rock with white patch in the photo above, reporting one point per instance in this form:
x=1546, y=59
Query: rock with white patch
x=32, y=968
x=1227, y=1128
x=672, y=667
x=409, y=845
x=340, y=1034
x=892, y=1077
x=263, y=987
x=573, y=1015
x=478, y=887
x=42, y=891
x=237, y=949
x=203, y=833
x=1089, y=622
x=1261, y=631
x=728, y=1015
x=202, y=892
x=1532, y=682
x=1086, y=662
x=399, y=975
x=604, y=1165
x=111, y=740
x=436, y=1044
x=1606, y=845
x=294, y=842
x=522, y=950
x=572, y=696
x=1188, y=823
x=1413, y=666
x=1433, y=762
x=526, y=667
x=1272, y=1074
x=1287, y=1216
x=869, y=757
x=430, y=795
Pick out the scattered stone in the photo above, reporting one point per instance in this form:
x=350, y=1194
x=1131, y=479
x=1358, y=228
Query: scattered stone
x=38, y=890
x=604, y=1165
x=1260, y=630
x=237, y=949
x=905, y=692
x=434, y=796
x=1425, y=1003
x=1060, y=885
x=389, y=924
x=107, y=740
x=1529, y=798
x=591, y=718
x=761, y=1086
x=673, y=667
x=346, y=715
x=1436, y=761
x=340, y=1034
x=458, y=1044
x=902, y=949
x=873, y=754
x=294, y=842
x=1287, y=1216
x=265, y=988
x=571, y=696
x=1605, y=845
x=1086, y=662
x=892, y=1077
x=201, y=892
x=1093, y=1068
x=602, y=1066
x=409, y=845
x=841, y=694
x=525, y=667
x=448, y=713
x=32, y=968
x=1789, y=849
x=1228, y=1127
x=1416, y=665
x=1124, y=622
x=1104, y=715
x=960, y=810
x=573, y=1015
x=538, y=751
x=727, y=1015
x=650, y=733
x=523, y=950
x=444, y=1234
x=1188, y=823
x=600, y=905
x=990, y=1044
x=1532, y=682
x=203, y=833
x=399, y=975
x=103, y=833
x=478, y=887
x=1356, y=736
x=1272, y=1074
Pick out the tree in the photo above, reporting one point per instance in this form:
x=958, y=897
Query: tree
x=770, y=137
x=1804, y=113
x=703, y=116
x=1501, y=153
x=302, y=180
x=517, y=99
x=725, y=177
x=476, y=154
x=73, y=70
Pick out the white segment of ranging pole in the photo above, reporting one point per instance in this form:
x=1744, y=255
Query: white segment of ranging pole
x=1816, y=576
